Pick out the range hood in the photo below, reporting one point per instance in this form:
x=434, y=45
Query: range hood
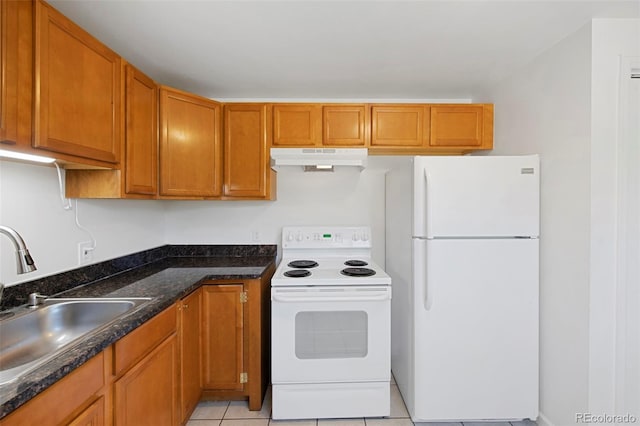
x=318, y=159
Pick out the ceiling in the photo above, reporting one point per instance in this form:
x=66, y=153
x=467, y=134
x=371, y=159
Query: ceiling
x=334, y=49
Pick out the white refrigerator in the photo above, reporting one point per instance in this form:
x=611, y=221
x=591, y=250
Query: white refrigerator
x=462, y=251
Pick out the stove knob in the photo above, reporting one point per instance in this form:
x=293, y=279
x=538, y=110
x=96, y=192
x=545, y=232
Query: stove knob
x=356, y=237
x=290, y=237
x=365, y=237
x=299, y=236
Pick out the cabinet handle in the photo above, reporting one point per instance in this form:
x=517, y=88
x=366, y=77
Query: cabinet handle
x=185, y=306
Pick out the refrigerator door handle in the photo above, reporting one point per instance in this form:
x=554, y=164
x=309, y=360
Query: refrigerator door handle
x=421, y=273
x=427, y=203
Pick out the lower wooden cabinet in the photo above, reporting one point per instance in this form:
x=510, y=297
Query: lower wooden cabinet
x=223, y=336
x=214, y=343
x=71, y=400
x=236, y=328
x=190, y=319
x=93, y=415
x=145, y=367
x=148, y=393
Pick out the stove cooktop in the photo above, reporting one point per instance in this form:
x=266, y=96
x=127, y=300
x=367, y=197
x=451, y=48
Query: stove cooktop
x=330, y=271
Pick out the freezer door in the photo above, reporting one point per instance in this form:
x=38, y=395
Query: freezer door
x=475, y=329
x=476, y=196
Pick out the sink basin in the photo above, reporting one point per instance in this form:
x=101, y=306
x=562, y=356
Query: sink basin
x=32, y=337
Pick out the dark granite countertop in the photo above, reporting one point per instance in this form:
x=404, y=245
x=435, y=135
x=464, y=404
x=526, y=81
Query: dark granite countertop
x=165, y=279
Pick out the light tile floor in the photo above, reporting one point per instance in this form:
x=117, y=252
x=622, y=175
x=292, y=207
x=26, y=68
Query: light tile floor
x=236, y=413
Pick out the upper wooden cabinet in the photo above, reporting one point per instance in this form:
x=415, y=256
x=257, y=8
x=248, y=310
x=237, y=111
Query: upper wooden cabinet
x=461, y=126
x=296, y=125
x=400, y=127
x=141, y=133
x=77, y=90
x=345, y=125
x=247, y=136
x=190, y=149
x=316, y=125
x=16, y=75
x=431, y=128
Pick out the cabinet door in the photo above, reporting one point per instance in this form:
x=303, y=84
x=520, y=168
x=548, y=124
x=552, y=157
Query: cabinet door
x=148, y=393
x=246, y=151
x=93, y=415
x=141, y=133
x=297, y=125
x=190, y=353
x=399, y=126
x=16, y=74
x=223, y=343
x=77, y=90
x=462, y=126
x=344, y=125
x=190, y=154
x=62, y=399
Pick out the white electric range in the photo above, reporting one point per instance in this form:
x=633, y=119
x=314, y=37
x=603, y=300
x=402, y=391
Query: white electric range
x=331, y=318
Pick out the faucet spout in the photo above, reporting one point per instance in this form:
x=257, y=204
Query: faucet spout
x=24, y=262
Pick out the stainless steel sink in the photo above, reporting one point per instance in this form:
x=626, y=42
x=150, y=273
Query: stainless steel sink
x=32, y=337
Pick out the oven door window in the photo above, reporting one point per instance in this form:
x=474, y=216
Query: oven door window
x=331, y=334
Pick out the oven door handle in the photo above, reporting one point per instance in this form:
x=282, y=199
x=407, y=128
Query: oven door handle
x=351, y=296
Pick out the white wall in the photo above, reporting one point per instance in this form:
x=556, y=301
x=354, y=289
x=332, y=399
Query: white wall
x=30, y=203
x=628, y=288
x=564, y=105
x=545, y=109
x=344, y=197
x=612, y=40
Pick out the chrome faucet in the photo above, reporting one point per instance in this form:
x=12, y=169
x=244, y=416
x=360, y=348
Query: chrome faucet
x=24, y=262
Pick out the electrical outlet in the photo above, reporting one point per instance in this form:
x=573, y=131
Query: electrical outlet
x=255, y=236
x=85, y=252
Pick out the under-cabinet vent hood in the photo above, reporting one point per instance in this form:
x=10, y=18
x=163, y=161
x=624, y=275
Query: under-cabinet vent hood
x=318, y=159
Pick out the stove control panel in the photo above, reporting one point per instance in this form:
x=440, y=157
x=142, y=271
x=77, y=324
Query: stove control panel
x=307, y=237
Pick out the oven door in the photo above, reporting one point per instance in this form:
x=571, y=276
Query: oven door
x=330, y=334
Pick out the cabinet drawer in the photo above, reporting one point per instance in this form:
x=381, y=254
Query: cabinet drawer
x=144, y=339
x=63, y=398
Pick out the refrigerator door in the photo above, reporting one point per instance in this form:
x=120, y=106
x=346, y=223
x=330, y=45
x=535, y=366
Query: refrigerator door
x=476, y=196
x=476, y=329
